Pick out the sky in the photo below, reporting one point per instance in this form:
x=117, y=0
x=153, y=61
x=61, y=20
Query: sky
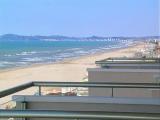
x=80, y=17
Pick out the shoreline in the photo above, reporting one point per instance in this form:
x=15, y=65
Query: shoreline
x=68, y=59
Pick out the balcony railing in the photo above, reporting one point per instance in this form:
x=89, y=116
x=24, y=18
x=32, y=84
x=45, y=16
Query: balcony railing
x=78, y=114
x=78, y=84
x=129, y=61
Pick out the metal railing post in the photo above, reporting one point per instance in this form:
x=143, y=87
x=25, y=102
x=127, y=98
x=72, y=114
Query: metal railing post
x=112, y=92
x=39, y=90
x=24, y=107
x=21, y=106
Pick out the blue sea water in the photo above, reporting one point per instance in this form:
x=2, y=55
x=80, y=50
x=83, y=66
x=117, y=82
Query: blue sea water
x=24, y=53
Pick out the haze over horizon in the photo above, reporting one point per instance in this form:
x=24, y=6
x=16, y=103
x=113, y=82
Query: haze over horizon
x=78, y=36
x=80, y=18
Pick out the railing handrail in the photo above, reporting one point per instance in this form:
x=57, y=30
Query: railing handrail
x=15, y=89
x=98, y=84
x=78, y=115
x=129, y=61
x=79, y=84
x=131, y=58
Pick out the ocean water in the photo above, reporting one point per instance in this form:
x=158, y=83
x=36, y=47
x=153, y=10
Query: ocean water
x=24, y=53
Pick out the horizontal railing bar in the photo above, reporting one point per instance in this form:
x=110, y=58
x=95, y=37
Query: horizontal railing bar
x=130, y=58
x=123, y=62
x=15, y=89
x=129, y=61
x=77, y=115
x=78, y=84
x=99, y=85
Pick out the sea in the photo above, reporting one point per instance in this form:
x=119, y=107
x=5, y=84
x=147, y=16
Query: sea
x=22, y=53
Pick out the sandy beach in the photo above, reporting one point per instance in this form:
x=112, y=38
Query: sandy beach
x=68, y=70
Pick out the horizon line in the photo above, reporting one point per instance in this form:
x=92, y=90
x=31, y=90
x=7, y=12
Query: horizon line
x=80, y=36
